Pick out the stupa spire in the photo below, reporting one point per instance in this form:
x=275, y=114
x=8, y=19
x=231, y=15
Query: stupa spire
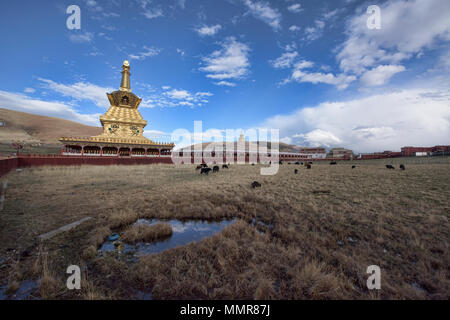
x=125, y=83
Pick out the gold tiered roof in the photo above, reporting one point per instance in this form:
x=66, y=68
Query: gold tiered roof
x=122, y=123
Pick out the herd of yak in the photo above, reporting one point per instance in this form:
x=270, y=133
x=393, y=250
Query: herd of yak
x=204, y=169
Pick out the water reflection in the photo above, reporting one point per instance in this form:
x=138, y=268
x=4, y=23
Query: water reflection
x=184, y=232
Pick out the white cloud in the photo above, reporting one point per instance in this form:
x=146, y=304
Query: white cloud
x=341, y=81
x=147, y=103
x=285, y=61
x=93, y=6
x=230, y=62
x=153, y=13
x=81, y=37
x=331, y=14
x=181, y=52
x=287, y=140
x=80, y=91
x=261, y=10
x=204, y=94
x=295, y=8
x=23, y=103
x=384, y=121
x=444, y=60
x=294, y=28
x=318, y=138
x=299, y=75
x=148, y=52
x=176, y=97
x=150, y=13
x=380, y=75
x=179, y=94
x=208, y=30
x=314, y=33
x=303, y=64
x=225, y=83
x=29, y=90
x=407, y=27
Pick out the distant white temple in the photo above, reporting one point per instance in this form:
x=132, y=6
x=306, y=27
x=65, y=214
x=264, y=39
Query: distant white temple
x=242, y=138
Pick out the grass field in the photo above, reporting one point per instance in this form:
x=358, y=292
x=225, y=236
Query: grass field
x=308, y=244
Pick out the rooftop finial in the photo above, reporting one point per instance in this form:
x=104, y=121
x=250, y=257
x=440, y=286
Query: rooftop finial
x=125, y=83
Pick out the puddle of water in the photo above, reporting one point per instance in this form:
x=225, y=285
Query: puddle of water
x=24, y=291
x=144, y=295
x=265, y=226
x=183, y=233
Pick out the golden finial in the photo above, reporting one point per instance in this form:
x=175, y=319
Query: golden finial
x=125, y=83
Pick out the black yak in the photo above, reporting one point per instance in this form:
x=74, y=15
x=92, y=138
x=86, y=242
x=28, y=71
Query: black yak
x=216, y=169
x=388, y=166
x=224, y=166
x=402, y=166
x=256, y=184
x=205, y=171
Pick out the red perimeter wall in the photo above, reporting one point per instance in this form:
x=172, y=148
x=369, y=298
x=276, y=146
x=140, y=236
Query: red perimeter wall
x=8, y=164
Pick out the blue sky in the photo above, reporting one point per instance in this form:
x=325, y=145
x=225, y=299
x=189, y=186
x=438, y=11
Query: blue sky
x=312, y=69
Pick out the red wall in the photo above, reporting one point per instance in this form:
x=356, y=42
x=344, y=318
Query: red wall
x=8, y=164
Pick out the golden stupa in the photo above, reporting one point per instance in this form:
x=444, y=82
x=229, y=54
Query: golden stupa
x=123, y=125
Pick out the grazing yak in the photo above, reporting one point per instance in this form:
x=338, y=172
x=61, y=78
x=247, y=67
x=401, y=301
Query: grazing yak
x=295, y=171
x=402, y=167
x=353, y=167
x=224, y=166
x=205, y=171
x=333, y=163
x=281, y=162
x=256, y=184
x=297, y=163
x=204, y=165
x=308, y=166
x=198, y=167
x=388, y=166
x=216, y=169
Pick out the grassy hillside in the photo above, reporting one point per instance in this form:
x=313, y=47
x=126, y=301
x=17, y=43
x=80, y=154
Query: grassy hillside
x=34, y=129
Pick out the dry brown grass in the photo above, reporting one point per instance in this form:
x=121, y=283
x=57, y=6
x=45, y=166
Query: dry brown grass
x=48, y=284
x=143, y=232
x=319, y=247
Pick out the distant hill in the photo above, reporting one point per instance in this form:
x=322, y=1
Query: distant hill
x=40, y=130
x=283, y=146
